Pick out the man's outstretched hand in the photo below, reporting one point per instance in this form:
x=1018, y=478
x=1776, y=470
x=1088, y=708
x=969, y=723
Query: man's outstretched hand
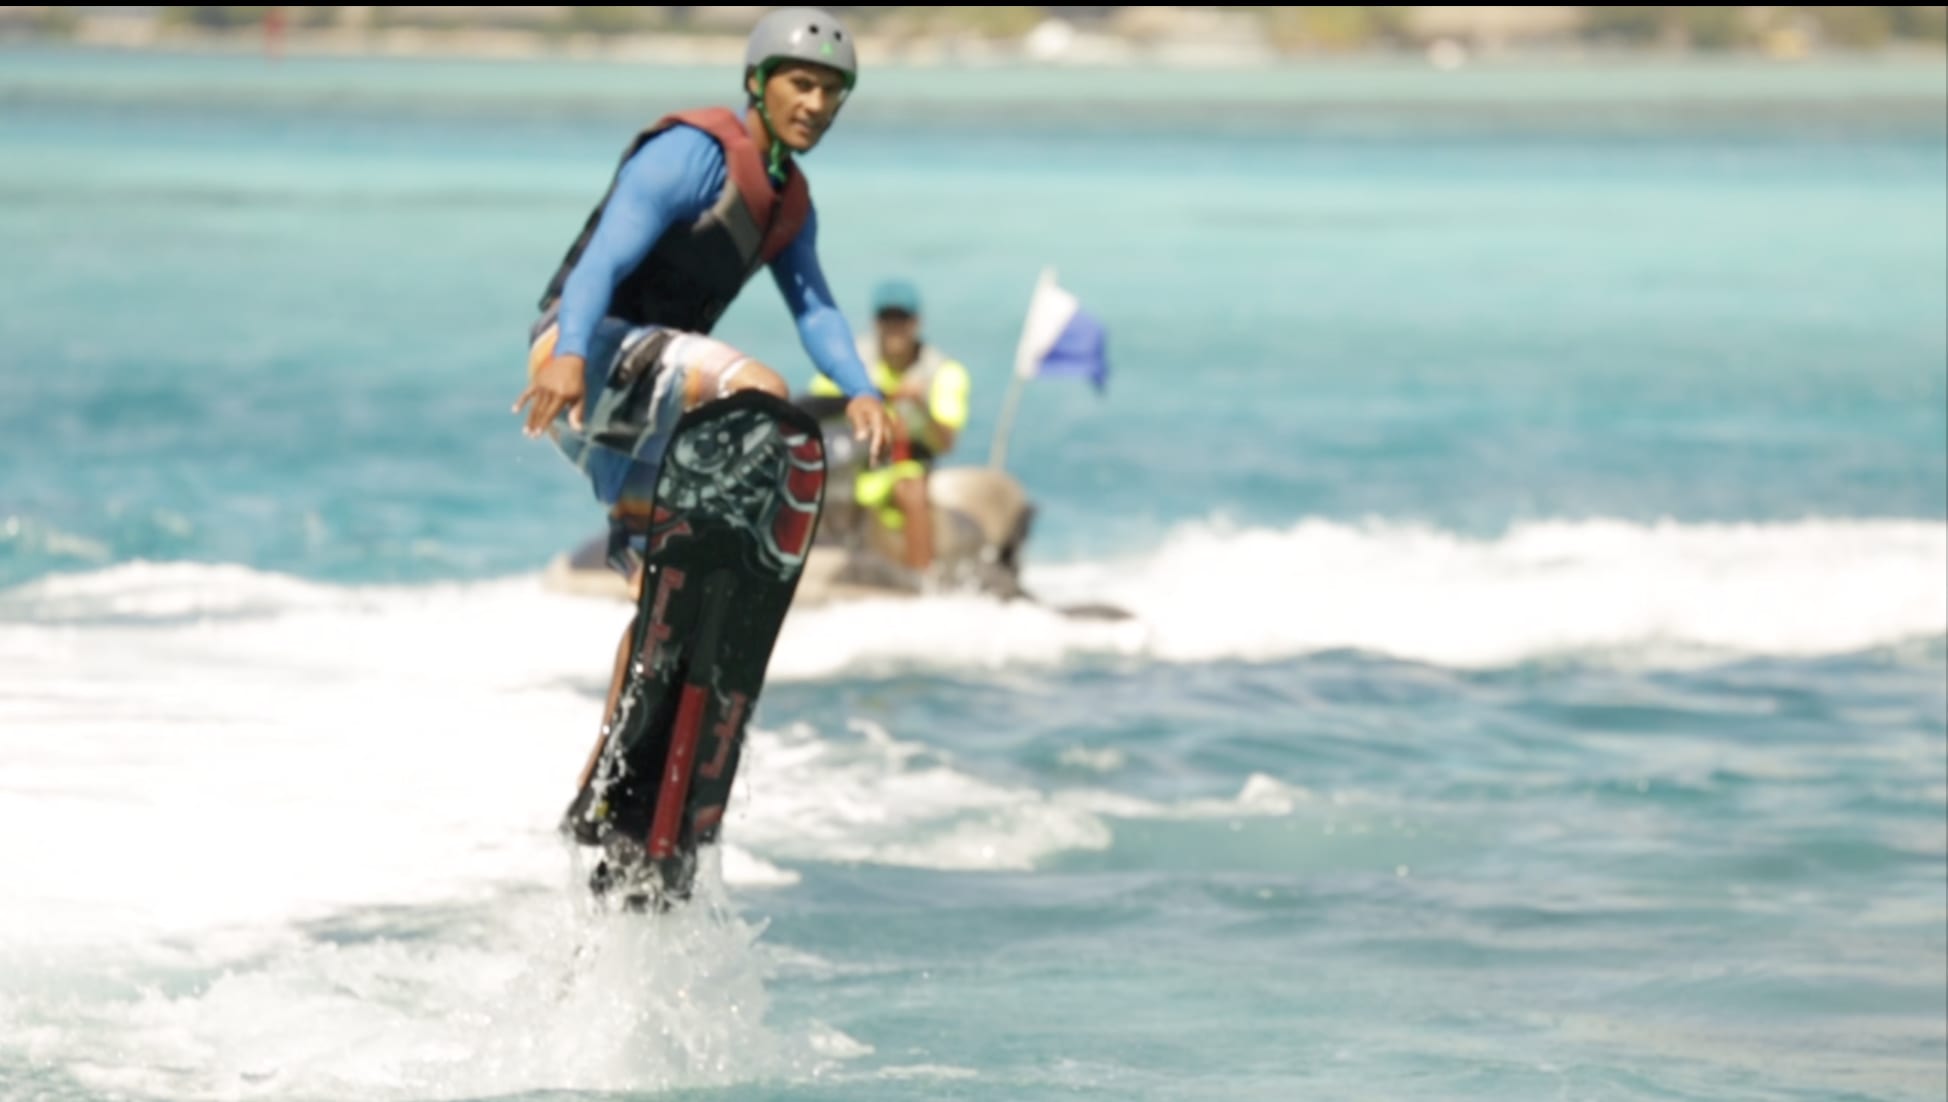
x=557, y=386
x=871, y=422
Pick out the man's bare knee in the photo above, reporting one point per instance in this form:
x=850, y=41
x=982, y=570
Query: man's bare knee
x=756, y=376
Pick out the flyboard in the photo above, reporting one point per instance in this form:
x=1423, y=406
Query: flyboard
x=737, y=503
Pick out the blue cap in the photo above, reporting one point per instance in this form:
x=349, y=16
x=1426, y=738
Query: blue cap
x=896, y=294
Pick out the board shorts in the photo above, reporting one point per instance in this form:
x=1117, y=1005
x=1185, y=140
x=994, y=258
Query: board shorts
x=638, y=381
x=873, y=489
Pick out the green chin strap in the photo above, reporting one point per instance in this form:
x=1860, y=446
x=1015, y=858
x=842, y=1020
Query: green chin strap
x=774, y=161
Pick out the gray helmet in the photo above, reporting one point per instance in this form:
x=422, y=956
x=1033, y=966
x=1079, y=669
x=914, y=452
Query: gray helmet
x=801, y=34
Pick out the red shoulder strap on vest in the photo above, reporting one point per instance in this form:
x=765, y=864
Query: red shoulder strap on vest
x=781, y=214
x=793, y=205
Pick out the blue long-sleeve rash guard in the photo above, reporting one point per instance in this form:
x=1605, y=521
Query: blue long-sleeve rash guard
x=674, y=178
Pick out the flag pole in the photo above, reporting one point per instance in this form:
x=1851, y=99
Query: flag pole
x=998, y=449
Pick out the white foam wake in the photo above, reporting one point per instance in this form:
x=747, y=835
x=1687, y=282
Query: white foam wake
x=207, y=766
x=1637, y=592
x=181, y=722
x=246, y=771
x=336, y=811
x=1644, y=593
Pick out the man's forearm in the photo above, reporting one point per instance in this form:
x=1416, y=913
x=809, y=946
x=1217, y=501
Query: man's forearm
x=828, y=341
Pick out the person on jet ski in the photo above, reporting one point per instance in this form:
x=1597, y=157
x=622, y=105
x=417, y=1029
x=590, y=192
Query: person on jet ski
x=928, y=391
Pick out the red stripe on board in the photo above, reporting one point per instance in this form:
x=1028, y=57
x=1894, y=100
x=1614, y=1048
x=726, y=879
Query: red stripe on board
x=806, y=450
x=726, y=732
x=676, y=774
x=707, y=818
x=803, y=485
x=792, y=530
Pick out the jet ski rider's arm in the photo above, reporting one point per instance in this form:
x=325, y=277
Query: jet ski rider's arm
x=822, y=328
x=672, y=179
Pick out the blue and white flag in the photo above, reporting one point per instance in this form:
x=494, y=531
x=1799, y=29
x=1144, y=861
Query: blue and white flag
x=1060, y=338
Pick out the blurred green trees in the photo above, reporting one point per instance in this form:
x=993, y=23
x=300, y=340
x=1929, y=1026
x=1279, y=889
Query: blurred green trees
x=1293, y=29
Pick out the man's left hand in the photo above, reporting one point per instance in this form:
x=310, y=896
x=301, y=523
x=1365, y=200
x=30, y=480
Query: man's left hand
x=872, y=423
x=556, y=386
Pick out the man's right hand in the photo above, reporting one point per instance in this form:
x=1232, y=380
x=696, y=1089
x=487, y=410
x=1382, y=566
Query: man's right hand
x=557, y=386
x=870, y=421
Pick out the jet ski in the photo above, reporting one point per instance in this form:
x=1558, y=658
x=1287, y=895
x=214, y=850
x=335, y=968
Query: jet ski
x=982, y=517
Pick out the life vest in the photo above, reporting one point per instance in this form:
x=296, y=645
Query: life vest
x=694, y=272
x=915, y=417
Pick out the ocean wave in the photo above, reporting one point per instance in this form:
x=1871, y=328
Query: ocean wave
x=1605, y=590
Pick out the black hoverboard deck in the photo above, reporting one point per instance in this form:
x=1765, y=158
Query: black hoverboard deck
x=736, y=508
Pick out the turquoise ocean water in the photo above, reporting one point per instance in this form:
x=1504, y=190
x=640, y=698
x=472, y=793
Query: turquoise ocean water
x=1531, y=485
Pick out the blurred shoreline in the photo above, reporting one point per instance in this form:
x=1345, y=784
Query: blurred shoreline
x=1110, y=37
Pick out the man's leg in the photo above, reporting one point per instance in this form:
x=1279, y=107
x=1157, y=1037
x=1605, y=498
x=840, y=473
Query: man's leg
x=708, y=370
x=910, y=496
x=616, y=677
x=712, y=370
